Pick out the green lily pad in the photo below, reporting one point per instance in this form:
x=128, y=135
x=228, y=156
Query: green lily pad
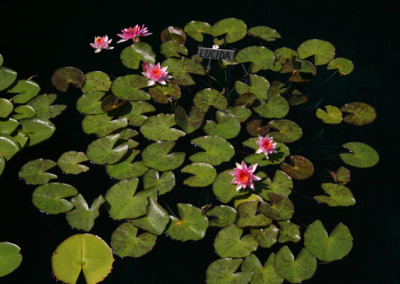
x=217, y=150
x=332, y=115
x=262, y=274
x=301, y=168
x=241, y=112
x=158, y=128
x=69, y=162
x=172, y=33
x=2, y=163
x=125, y=169
x=26, y=90
x=223, y=188
x=96, y=81
x=343, y=65
x=8, y=147
x=48, y=198
x=295, y=271
x=163, y=183
x=222, y=271
x=125, y=202
x=288, y=131
x=275, y=107
x=210, y=97
x=264, y=33
x=284, y=54
x=258, y=86
x=85, y=252
x=361, y=155
x=173, y=49
x=8, y=125
x=323, y=51
x=191, y=122
x=43, y=107
x=20, y=137
x=204, y=174
x=180, y=69
x=196, y=29
x=282, y=151
x=254, y=128
x=37, y=129
x=102, y=150
x=156, y=218
x=230, y=243
x=6, y=107
x=10, y=258
x=342, y=175
x=34, y=172
x=289, y=232
x=64, y=76
x=7, y=77
x=261, y=58
x=163, y=93
x=132, y=55
x=233, y=29
x=281, y=208
x=156, y=156
x=82, y=217
x=248, y=197
x=360, y=113
x=224, y=216
x=328, y=248
x=338, y=195
x=192, y=224
x=228, y=126
x=129, y=88
x=135, y=117
x=125, y=241
x=297, y=98
x=102, y=124
x=246, y=100
x=248, y=216
x=266, y=237
x=281, y=184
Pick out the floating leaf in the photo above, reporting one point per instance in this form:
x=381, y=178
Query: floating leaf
x=156, y=156
x=135, y=117
x=254, y=128
x=26, y=90
x=230, y=243
x=241, y=112
x=204, y=174
x=300, y=169
x=297, y=98
x=173, y=49
x=10, y=258
x=247, y=197
x=132, y=55
x=163, y=183
x=228, y=126
x=224, y=216
x=49, y=197
x=8, y=147
x=8, y=125
x=217, y=150
x=82, y=217
x=102, y=150
x=248, y=216
x=125, y=169
x=332, y=115
x=7, y=77
x=282, y=151
x=20, y=137
x=328, y=248
x=64, y=76
x=281, y=208
x=96, y=81
x=288, y=131
x=158, y=128
x=191, y=122
x=264, y=33
x=285, y=54
x=180, y=69
x=258, y=86
x=361, y=155
x=173, y=34
x=162, y=93
x=90, y=103
x=210, y=97
x=102, y=124
x=85, y=252
x=196, y=29
x=111, y=102
x=37, y=129
x=266, y=274
x=6, y=107
x=338, y=195
x=281, y=184
x=289, y=232
x=342, y=175
x=128, y=88
x=246, y=100
x=43, y=107
x=323, y=51
x=69, y=162
x=295, y=271
x=266, y=237
x=261, y=58
x=360, y=113
x=233, y=29
x=223, y=271
x=192, y=225
x=34, y=172
x=275, y=107
x=343, y=65
x=223, y=188
x=2, y=163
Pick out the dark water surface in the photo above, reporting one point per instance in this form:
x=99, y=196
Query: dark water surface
x=36, y=39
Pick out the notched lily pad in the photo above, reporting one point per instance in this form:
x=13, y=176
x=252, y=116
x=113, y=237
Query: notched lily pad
x=102, y=150
x=25, y=90
x=266, y=237
x=44, y=108
x=261, y=58
x=126, y=168
x=173, y=34
x=135, y=116
x=338, y=195
x=37, y=129
x=360, y=113
x=196, y=29
x=223, y=271
x=6, y=107
x=323, y=51
x=254, y=128
x=280, y=208
x=162, y=184
x=49, y=198
x=249, y=216
x=288, y=131
x=262, y=274
x=10, y=258
x=301, y=168
x=204, y=174
x=241, y=112
x=158, y=128
x=210, y=97
x=173, y=49
x=96, y=81
x=275, y=107
x=258, y=86
x=8, y=147
x=361, y=155
x=165, y=93
x=7, y=77
x=281, y=184
x=217, y=150
x=191, y=122
x=180, y=69
x=156, y=156
x=343, y=65
x=224, y=216
x=69, y=162
x=233, y=29
x=331, y=115
x=342, y=175
x=34, y=172
x=227, y=126
x=132, y=55
x=129, y=87
x=64, y=76
x=223, y=188
x=264, y=33
x=102, y=124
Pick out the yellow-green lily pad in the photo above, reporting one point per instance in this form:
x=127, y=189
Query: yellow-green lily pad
x=157, y=127
x=156, y=156
x=138, y=52
x=264, y=33
x=69, y=162
x=359, y=113
x=196, y=29
x=129, y=87
x=338, y=195
x=331, y=115
x=34, y=172
x=343, y=65
x=261, y=58
x=48, y=198
x=25, y=90
x=233, y=29
x=323, y=51
x=96, y=81
x=223, y=271
x=181, y=68
x=262, y=274
x=361, y=155
x=258, y=86
x=10, y=258
x=204, y=174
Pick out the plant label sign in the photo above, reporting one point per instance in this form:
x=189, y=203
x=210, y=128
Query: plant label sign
x=214, y=53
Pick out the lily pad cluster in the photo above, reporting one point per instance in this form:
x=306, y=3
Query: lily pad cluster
x=194, y=129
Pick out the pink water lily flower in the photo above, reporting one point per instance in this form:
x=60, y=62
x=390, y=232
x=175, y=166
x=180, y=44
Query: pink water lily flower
x=266, y=145
x=101, y=42
x=155, y=73
x=243, y=175
x=133, y=33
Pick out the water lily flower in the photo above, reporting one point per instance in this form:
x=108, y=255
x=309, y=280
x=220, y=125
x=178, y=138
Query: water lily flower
x=266, y=145
x=101, y=42
x=155, y=73
x=133, y=33
x=243, y=175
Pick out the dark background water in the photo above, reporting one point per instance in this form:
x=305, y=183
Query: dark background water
x=37, y=38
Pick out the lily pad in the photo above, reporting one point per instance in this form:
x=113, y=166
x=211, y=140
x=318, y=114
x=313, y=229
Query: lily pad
x=246, y=100
x=172, y=33
x=90, y=103
x=8, y=147
x=360, y=113
x=285, y=54
x=37, y=129
x=191, y=122
x=222, y=271
x=254, y=128
x=138, y=52
x=338, y=195
x=281, y=184
x=361, y=155
x=64, y=76
x=173, y=49
x=34, y=172
x=323, y=51
x=26, y=90
x=217, y=150
x=301, y=168
x=343, y=65
x=210, y=97
x=135, y=116
x=102, y=124
x=261, y=58
x=328, y=248
x=10, y=258
x=8, y=126
x=102, y=150
x=110, y=103
x=266, y=237
x=180, y=69
x=281, y=208
x=223, y=188
x=6, y=107
x=262, y=274
x=163, y=93
x=69, y=162
x=241, y=112
x=342, y=175
x=96, y=81
x=230, y=243
x=2, y=163
x=228, y=126
x=125, y=169
x=264, y=33
x=43, y=107
x=156, y=156
x=158, y=128
x=82, y=217
x=275, y=107
x=288, y=131
x=332, y=115
x=163, y=183
x=295, y=271
x=204, y=174
x=129, y=88
x=191, y=225
x=233, y=29
x=7, y=77
x=282, y=151
x=224, y=216
x=258, y=86
x=248, y=217
x=85, y=252
x=289, y=232
x=48, y=198
x=196, y=29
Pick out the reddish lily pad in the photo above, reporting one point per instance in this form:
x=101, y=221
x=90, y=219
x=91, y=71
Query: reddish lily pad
x=246, y=99
x=342, y=175
x=64, y=76
x=254, y=128
x=360, y=113
x=111, y=102
x=338, y=195
x=300, y=169
x=361, y=155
